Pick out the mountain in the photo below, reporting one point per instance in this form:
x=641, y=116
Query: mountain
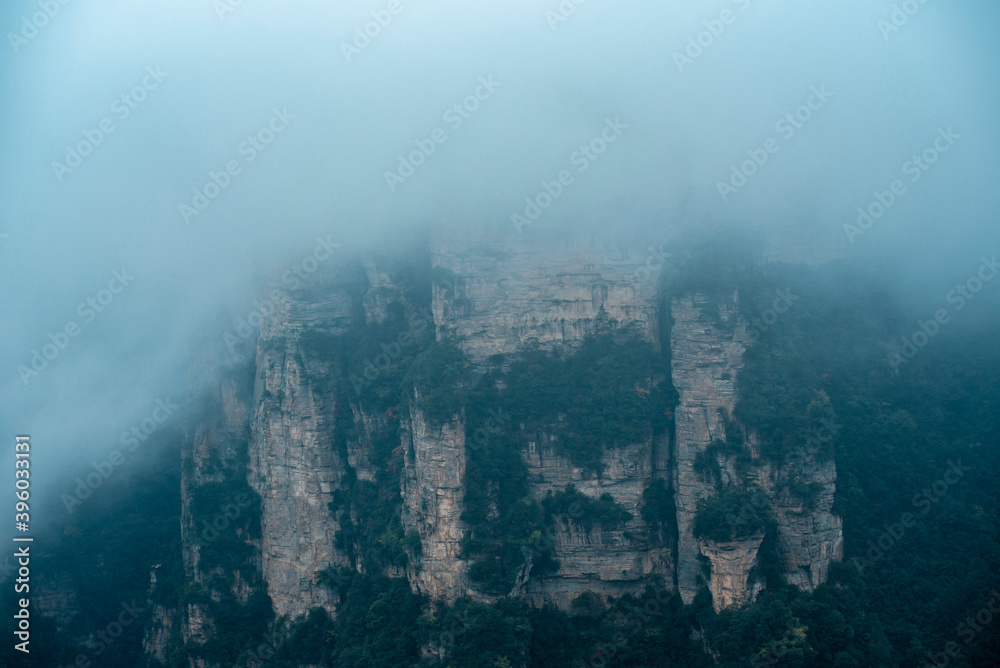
x=537, y=450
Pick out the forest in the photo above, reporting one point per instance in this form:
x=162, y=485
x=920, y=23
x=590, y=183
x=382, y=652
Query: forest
x=916, y=488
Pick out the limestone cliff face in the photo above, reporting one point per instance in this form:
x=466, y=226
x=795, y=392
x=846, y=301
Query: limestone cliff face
x=610, y=562
x=294, y=466
x=810, y=537
x=502, y=291
x=159, y=628
x=706, y=355
x=495, y=294
x=498, y=293
x=731, y=563
x=213, y=453
x=708, y=342
x=433, y=488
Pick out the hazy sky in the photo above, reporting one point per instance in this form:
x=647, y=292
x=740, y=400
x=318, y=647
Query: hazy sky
x=687, y=90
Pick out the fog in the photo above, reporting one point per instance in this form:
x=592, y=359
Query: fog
x=690, y=89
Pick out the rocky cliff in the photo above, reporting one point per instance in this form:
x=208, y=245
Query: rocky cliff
x=294, y=466
x=327, y=426
x=220, y=540
x=810, y=536
x=433, y=489
x=498, y=292
x=708, y=341
x=610, y=562
x=707, y=344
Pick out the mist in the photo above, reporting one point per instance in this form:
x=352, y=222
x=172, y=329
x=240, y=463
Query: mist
x=303, y=123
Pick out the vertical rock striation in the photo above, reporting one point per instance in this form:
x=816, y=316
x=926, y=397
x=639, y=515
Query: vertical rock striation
x=707, y=345
x=612, y=562
x=433, y=488
x=294, y=466
x=307, y=434
x=810, y=536
x=500, y=292
x=730, y=564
